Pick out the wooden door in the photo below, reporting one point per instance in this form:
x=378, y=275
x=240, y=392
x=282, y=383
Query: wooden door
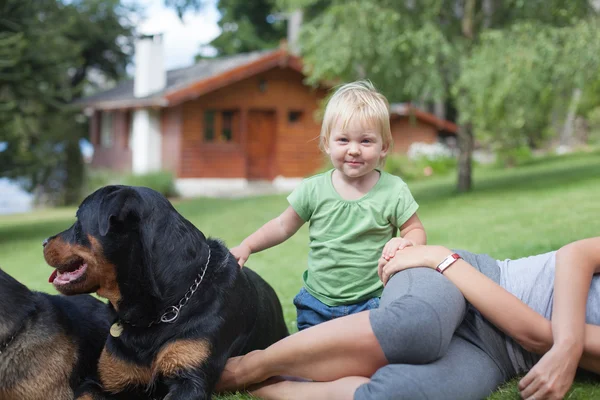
x=260, y=143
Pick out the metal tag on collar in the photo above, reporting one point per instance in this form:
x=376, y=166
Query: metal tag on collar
x=170, y=315
x=116, y=330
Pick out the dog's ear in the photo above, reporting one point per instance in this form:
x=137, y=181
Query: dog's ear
x=117, y=208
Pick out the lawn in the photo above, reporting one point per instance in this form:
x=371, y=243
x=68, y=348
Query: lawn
x=511, y=213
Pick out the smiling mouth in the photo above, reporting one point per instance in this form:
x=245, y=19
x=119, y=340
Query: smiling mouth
x=73, y=273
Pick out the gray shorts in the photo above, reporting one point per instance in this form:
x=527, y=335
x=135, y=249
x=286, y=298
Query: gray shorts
x=438, y=346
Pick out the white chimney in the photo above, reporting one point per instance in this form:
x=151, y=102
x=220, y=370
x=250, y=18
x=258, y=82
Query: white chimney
x=150, y=75
x=294, y=24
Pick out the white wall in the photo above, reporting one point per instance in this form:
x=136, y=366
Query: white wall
x=146, y=141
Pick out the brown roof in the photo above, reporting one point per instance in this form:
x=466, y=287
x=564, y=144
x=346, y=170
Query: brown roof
x=408, y=110
x=186, y=83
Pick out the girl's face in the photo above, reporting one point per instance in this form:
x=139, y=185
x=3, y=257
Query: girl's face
x=356, y=150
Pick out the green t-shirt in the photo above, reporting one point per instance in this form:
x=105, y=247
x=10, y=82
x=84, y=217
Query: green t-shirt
x=347, y=236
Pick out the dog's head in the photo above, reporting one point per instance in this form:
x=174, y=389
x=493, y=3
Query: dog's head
x=127, y=242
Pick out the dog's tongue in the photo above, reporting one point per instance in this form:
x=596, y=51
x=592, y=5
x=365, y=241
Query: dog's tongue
x=53, y=276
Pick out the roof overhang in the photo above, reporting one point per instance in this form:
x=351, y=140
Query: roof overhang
x=278, y=58
x=408, y=110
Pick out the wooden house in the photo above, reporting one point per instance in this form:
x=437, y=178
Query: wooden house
x=223, y=123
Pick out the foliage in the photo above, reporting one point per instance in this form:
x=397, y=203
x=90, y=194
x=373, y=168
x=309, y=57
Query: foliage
x=510, y=107
x=161, y=181
x=183, y=6
x=594, y=125
x=252, y=25
x=248, y=26
x=400, y=165
x=48, y=49
x=434, y=50
x=513, y=156
x=412, y=169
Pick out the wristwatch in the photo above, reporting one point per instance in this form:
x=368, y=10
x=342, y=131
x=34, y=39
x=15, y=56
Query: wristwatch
x=447, y=262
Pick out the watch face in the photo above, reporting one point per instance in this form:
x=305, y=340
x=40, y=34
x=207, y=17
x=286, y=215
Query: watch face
x=448, y=261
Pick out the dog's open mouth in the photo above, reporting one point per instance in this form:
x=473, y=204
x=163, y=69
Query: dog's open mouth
x=69, y=274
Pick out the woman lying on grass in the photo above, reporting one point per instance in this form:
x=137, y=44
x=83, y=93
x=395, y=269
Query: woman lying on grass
x=426, y=342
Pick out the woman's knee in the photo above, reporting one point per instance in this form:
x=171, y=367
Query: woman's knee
x=417, y=325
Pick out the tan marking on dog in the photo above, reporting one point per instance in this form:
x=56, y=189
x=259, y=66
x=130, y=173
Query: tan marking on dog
x=107, y=275
x=49, y=364
x=101, y=276
x=117, y=374
x=181, y=355
x=85, y=397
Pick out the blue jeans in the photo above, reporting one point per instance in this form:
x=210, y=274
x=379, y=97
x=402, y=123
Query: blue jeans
x=311, y=312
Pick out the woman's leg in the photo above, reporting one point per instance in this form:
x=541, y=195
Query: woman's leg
x=420, y=309
x=464, y=373
x=341, y=347
x=280, y=389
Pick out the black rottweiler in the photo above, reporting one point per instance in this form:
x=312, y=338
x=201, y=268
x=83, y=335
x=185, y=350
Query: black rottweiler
x=49, y=344
x=182, y=304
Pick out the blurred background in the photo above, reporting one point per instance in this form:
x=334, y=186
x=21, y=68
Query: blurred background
x=123, y=91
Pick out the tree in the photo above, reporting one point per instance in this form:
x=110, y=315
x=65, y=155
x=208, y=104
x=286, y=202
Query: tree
x=47, y=50
x=517, y=78
x=428, y=49
x=248, y=26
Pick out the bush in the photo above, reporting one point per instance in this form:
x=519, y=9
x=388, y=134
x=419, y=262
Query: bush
x=515, y=156
x=400, y=165
x=161, y=181
x=594, y=121
x=96, y=178
x=422, y=160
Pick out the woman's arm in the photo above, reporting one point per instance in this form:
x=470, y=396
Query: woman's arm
x=576, y=263
x=553, y=374
x=508, y=313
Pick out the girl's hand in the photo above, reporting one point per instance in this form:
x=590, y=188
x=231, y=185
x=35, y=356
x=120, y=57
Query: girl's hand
x=412, y=257
x=552, y=377
x=241, y=253
x=394, y=245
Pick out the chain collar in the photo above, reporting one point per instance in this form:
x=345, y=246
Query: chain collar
x=172, y=313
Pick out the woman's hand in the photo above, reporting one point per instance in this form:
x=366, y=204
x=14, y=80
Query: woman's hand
x=411, y=257
x=552, y=376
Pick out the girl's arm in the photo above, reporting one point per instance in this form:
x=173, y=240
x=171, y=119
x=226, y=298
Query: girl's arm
x=414, y=230
x=508, y=313
x=272, y=233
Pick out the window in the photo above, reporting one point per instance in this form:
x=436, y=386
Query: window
x=227, y=126
x=209, y=126
x=221, y=126
x=106, y=129
x=294, y=116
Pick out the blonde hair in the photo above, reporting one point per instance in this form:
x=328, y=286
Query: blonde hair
x=355, y=100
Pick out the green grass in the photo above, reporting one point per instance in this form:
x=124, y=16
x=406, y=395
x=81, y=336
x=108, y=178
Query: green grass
x=510, y=213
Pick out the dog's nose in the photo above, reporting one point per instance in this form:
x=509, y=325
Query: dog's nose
x=45, y=242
